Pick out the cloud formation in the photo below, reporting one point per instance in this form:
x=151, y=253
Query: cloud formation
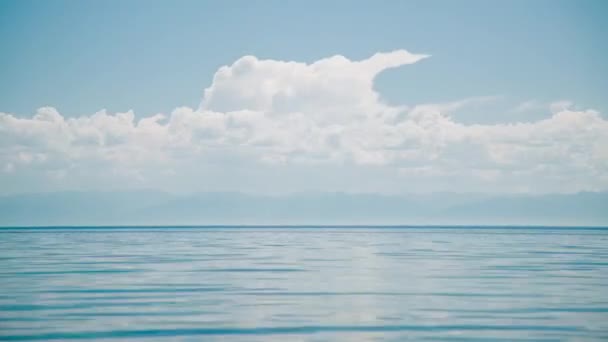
x=269, y=113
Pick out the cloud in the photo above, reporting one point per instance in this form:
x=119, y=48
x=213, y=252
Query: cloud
x=268, y=113
x=276, y=87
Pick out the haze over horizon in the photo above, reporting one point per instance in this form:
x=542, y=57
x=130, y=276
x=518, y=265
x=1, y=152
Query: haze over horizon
x=129, y=208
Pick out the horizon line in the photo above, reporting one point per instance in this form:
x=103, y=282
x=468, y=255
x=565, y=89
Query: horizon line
x=274, y=226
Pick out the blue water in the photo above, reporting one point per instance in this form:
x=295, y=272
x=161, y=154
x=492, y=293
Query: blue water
x=313, y=284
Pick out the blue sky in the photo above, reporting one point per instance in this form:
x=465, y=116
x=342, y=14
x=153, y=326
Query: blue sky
x=152, y=56
x=423, y=96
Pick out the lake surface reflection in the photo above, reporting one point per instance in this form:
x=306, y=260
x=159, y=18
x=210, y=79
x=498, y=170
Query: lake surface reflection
x=298, y=283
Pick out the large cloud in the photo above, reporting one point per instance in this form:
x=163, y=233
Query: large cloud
x=268, y=113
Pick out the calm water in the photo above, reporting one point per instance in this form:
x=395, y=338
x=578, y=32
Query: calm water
x=313, y=284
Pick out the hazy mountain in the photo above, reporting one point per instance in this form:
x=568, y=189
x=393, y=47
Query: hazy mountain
x=158, y=208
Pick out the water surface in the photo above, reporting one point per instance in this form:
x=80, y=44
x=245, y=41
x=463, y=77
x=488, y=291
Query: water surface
x=304, y=283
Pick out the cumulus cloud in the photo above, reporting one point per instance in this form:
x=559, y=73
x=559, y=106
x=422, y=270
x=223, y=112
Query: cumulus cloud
x=261, y=113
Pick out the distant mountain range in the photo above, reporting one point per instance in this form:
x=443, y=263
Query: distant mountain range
x=159, y=208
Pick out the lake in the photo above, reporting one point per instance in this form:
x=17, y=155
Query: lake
x=304, y=283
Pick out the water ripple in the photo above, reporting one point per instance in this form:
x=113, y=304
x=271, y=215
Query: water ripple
x=280, y=330
x=301, y=283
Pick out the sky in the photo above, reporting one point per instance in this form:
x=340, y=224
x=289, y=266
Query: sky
x=299, y=96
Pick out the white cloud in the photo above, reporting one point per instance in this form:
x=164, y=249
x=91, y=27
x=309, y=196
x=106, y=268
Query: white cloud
x=268, y=113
